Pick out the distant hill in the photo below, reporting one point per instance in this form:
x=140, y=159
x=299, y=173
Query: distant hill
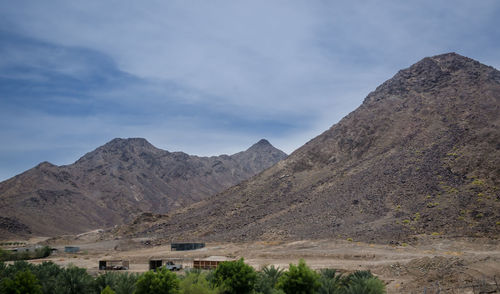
x=421, y=155
x=117, y=181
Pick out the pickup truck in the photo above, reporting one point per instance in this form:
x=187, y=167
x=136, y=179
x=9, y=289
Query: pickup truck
x=170, y=265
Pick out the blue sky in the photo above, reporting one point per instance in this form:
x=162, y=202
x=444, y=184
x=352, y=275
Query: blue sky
x=209, y=77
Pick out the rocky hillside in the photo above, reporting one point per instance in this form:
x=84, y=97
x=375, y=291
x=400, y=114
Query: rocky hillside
x=421, y=155
x=117, y=181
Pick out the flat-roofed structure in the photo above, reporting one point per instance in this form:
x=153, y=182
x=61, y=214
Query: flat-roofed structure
x=186, y=246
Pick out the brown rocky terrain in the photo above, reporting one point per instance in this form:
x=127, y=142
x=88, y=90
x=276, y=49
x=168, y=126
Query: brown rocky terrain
x=420, y=156
x=117, y=181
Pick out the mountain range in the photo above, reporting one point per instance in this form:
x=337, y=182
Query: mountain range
x=420, y=156
x=118, y=181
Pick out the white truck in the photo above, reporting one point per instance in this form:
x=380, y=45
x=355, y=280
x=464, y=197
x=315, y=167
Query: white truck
x=170, y=265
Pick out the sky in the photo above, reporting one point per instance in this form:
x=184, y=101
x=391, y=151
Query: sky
x=209, y=77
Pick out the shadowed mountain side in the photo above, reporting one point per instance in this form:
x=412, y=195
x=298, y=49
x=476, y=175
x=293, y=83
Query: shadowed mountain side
x=117, y=181
x=421, y=155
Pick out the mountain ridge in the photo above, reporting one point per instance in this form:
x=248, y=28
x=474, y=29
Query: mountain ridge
x=421, y=155
x=118, y=180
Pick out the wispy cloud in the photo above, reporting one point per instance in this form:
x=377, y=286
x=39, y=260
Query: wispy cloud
x=209, y=77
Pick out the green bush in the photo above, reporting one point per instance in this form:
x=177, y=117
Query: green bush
x=267, y=279
x=162, y=281
x=107, y=290
x=74, y=280
x=299, y=279
x=24, y=282
x=47, y=273
x=331, y=282
x=363, y=282
x=235, y=277
x=196, y=282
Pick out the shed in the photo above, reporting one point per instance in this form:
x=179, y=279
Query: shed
x=210, y=262
x=186, y=246
x=71, y=249
x=106, y=265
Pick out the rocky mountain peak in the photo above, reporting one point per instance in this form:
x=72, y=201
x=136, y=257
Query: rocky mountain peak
x=420, y=156
x=262, y=144
x=431, y=74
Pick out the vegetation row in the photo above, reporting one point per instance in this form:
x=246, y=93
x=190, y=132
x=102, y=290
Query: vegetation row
x=229, y=277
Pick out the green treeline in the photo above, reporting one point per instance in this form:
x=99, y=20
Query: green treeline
x=232, y=277
x=7, y=255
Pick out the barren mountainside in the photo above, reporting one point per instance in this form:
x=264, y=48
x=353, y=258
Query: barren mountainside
x=117, y=181
x=421, y=155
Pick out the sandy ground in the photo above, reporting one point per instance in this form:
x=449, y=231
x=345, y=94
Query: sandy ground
x=435, y=265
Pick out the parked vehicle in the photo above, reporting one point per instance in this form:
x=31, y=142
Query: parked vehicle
x=170, y=265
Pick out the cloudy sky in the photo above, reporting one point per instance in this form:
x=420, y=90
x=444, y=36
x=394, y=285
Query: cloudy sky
x=209, y=77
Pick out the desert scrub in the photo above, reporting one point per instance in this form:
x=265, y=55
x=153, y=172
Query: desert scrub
x=406, y=221
x=435, y=234
x=477, y=182
x=479, y=215
x=349, y=239
x=498, y=223
x=432, y=204
x=416, y=217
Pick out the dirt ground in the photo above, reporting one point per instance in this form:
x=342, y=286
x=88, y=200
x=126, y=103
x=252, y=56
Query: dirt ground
x=432, y=265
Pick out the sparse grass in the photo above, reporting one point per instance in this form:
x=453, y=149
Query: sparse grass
x=417, y=217
x=432, y=204
x=478, y=182
x=498, y=223
x=435, y=234
x=406, y=221
x=479, y=215
x=349, y=239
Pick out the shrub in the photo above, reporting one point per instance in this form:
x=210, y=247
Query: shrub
x=23, y=282
x=125, y=283
x=235, y=277
x=267, y=279
x=47, y=273
x=162, y=281
x=196, y=282
x=74, y=280
x=107, y=290
x=366, y=286
x=299, y=279
x=331, y=282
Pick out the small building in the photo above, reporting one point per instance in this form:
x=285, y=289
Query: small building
x=110, y=265
x=155, y=263
x=186, y=246
x=210, y=262
x=71, y=249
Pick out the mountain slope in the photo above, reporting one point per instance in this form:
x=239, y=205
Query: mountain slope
x=421, y=155
x=118, y=180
